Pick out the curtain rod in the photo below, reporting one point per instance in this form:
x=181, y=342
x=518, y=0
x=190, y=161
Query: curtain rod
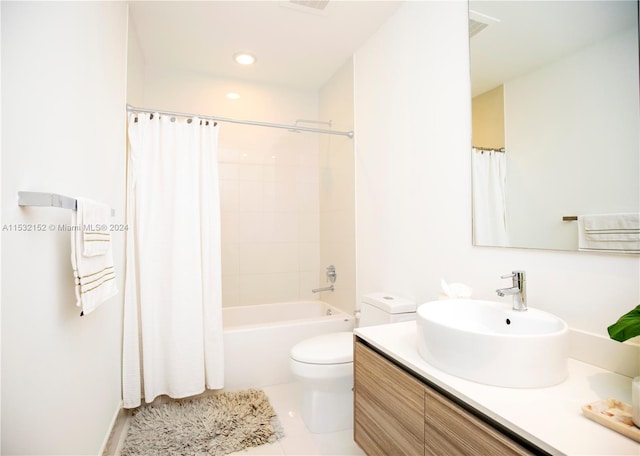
x=245, y=122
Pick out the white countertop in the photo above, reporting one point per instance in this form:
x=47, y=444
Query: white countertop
x=549, y=417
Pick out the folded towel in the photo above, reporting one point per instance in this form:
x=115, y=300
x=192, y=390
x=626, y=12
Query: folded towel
x=94, y=273
x=615, y=233
x=94, y=218
x=607, y=222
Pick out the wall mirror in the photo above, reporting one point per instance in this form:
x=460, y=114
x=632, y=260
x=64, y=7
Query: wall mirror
x=556, y=118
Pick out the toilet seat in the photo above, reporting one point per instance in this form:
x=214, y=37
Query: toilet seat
x=328, y=349
x=321, y=372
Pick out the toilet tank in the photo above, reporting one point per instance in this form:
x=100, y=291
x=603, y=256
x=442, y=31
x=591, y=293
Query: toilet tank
x=380, y=308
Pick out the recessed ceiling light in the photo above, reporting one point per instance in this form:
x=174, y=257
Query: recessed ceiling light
x=244, y=58
x=233, y=96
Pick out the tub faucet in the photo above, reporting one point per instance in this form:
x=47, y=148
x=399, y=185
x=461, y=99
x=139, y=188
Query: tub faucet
x=518, y=290
x=318, y=290
x=331, y=278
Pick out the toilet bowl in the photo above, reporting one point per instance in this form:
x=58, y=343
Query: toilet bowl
x=324, y=365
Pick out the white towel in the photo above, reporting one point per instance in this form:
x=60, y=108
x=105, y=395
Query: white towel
x=94, y=273
x=614, y=233
x=94, y=218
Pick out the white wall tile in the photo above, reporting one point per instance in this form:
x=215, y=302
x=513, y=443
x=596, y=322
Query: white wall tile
x=230, y=227
x=285, y=228
x=250, y=196
x=268, y=258
x=285, y=196
x=308, y=280
x=230, y=258
x=255, y=226
x=308, y=196
x=229, y=195
x=227, y=171
x=250, y=172
x=231, y=290
x=309, y=256
x=266, y=288
x=308, y=226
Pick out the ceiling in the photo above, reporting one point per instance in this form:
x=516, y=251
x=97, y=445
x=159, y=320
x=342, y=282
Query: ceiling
x=302, y=47
x=296, y=46
x=530, y=34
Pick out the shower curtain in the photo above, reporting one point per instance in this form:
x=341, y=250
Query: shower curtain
x=172, y=312
x=489, y=205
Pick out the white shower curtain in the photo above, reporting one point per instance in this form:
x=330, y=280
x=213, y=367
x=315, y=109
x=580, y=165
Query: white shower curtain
x=172, y=316
x=489, y=205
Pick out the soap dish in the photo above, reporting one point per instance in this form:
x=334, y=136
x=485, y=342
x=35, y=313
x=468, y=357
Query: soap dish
x=613, y=414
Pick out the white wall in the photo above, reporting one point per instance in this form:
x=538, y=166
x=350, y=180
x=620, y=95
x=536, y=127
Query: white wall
x=268, y=182
x=572, y=142
x=135, y=67
x=337, y=190
x=63, y=125
x=413, y=184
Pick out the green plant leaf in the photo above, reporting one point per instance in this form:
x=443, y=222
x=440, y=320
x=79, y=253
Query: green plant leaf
x=626, y=327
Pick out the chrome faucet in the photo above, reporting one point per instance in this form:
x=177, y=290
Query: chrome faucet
x=331, y=278
x=318, y=290
x=518, y=290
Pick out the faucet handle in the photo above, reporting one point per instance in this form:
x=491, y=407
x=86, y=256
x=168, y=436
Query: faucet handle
x=331, y=273
x=520, y=275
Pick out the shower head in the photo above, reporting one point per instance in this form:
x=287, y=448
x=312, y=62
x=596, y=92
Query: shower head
x=320, y=122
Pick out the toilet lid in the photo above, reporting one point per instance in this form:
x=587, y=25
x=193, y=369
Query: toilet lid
x=333, y=348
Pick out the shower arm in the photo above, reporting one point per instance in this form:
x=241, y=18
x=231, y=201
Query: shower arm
x=319, y=122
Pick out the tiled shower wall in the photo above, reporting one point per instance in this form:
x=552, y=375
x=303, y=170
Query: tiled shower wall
x=270, y=220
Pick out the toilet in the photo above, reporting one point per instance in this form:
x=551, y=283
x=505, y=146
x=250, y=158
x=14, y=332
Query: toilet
x=324, y=364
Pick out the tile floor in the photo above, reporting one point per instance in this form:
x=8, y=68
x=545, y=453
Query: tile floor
x=298, y=441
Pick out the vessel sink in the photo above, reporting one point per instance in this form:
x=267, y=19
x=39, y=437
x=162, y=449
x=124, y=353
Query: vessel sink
x=489, y=342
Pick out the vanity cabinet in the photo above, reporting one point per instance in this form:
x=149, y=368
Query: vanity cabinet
x=388, y=406
x=395, y=413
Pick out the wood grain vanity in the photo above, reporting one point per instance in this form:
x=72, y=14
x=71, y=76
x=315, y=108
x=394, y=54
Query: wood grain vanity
x=398, y=413
x=406, y=406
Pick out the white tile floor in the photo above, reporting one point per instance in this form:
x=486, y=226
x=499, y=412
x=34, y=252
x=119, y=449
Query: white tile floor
x=298, y=441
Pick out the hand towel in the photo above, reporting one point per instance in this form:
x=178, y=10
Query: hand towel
x=613, y=233
x=94, y=218
x=94, y=274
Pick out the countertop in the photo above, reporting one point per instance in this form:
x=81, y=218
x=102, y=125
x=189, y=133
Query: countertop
x=550, y=417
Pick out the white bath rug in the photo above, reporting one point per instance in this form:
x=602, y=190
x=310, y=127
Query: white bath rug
x=216, y=424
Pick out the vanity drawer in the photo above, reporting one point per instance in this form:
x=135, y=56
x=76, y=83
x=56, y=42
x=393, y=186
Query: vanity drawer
x=388, y=406
x=449, y=429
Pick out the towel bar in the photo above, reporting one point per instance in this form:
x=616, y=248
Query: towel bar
x=41, y=199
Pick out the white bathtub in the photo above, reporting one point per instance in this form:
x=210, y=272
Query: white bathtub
x=258, y=338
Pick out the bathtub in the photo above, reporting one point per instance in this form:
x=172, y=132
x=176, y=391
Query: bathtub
x=258, y=338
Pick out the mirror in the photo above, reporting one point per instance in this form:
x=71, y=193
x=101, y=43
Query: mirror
x=556, y=105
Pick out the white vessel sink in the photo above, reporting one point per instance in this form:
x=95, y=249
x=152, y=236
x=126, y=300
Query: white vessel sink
x=488, y=342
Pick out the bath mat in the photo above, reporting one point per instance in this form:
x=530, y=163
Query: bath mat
x=215, y=424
